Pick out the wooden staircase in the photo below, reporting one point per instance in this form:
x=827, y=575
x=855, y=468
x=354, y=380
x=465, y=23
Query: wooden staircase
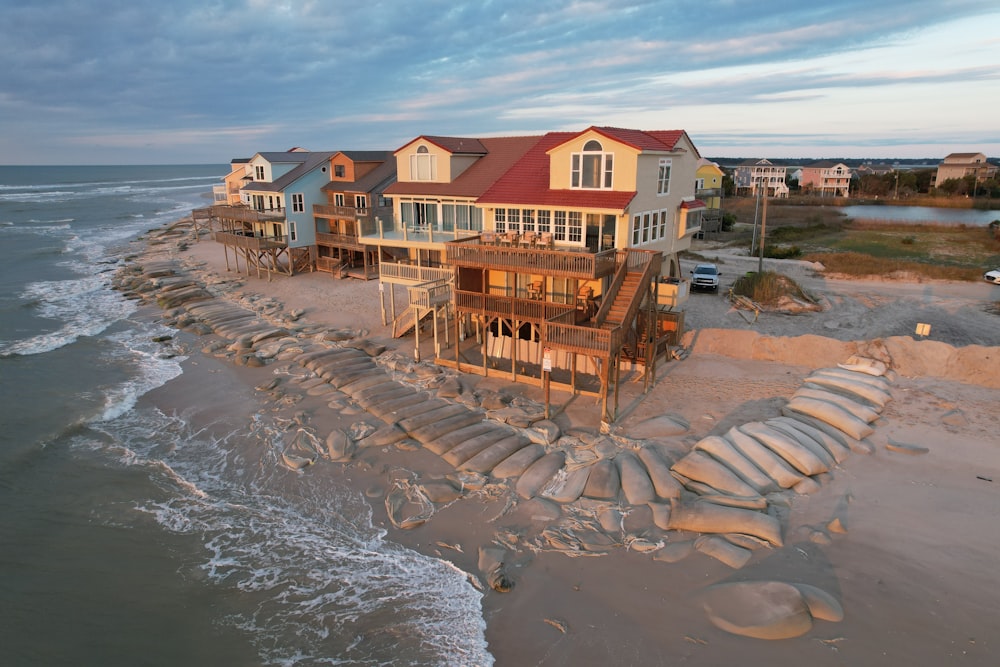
x=630, y=287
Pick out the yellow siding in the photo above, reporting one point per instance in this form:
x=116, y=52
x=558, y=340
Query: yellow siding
x=624, y=166
x=443, y=159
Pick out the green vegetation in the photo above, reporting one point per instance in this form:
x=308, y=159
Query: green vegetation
x=871, y=247
x=768, y=287
x=862, y=265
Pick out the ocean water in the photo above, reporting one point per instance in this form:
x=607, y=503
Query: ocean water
x=133, y=536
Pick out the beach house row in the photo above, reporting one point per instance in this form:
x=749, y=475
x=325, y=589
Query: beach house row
x=555, y=251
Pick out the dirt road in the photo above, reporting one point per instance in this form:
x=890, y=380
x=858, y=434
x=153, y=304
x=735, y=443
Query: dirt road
x=958, y=313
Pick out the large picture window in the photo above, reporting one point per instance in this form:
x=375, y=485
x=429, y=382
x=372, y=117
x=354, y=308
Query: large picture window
x=592, y=168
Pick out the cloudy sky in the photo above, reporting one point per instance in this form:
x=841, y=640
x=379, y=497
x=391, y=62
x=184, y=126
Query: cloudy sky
x=203, y=81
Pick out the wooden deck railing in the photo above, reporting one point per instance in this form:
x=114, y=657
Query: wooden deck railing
x=512, y=308
x=411, y=274
x=583, y=340
x=339, y=240
x=246, y=214
x=430, y=294
x=551, y=262
x=331, y=211
x=250, y=242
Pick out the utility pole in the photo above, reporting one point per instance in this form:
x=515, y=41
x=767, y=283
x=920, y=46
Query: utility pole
x=763, y=225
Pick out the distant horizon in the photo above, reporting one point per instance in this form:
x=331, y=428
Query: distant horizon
x=928, y=160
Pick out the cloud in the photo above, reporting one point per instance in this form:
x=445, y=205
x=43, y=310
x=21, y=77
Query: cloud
x=220, y=75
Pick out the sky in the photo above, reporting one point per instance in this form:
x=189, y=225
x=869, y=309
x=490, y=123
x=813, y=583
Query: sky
x=206, y=81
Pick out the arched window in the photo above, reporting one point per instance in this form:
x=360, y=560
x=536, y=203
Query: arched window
x=423, y=165
x=592, y=168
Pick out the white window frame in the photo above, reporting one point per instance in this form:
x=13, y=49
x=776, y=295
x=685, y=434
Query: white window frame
x=604, y=171
x=338, y=199
x=259, y=172
x=423, y=165
x=361, y=202
x=298, y=202
x=574, y=227
x=293, y=234
x=663, y=176
x=500, y=221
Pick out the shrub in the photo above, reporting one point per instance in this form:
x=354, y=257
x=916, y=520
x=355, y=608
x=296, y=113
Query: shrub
x=767, y=287
x=782, y=252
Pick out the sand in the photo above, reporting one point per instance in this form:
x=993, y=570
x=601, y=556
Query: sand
x=904, y=539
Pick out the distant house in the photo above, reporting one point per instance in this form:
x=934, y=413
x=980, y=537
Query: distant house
x=229, y=192
x=355, y=204
x=753, y=176
x=272, y=229
x=874, y=169
x=960, y=165
x=826, y=178
x=708, y=188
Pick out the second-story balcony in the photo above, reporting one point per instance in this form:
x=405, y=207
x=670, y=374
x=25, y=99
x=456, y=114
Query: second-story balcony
x=247, y=214
x=341, y=212
x=569, y=262
x=248, y=242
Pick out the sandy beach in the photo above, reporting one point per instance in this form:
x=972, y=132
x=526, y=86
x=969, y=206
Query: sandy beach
x=903, y=538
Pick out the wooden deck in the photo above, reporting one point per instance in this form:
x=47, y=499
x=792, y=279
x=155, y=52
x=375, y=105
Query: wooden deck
x=565, y=263
x=244, y=242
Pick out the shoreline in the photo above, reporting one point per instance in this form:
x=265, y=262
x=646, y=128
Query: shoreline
x=623, y=606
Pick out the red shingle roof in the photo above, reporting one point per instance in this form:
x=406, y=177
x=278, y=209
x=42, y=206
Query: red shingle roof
x=528, y=183
x=644, y=140
x=501, y=153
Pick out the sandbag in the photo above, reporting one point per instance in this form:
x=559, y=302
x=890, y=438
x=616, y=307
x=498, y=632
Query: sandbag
x=723, y=551
x=661, y=514
x=604, y=482
x=822, y=605
x=664, y=484
x=435, y=430
x=459, y=454
x=809, y=443
x=724, y=451
x=702, y=517
x=566, y=486
x=518, y=462
x=864, y=378
x=446, y=442
x=538, y=474
x=701, y=467
x=636, y=484
x=866, y=365
x=486, y=460
x=862, y=412
x=838, y=450
x=832, y=415
x=799, y=457
x=876, y=395
x=758, y=609
x=770, y=463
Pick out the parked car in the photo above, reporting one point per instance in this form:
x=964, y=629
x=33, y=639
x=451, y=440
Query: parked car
x=705, y=276
x=992, y=276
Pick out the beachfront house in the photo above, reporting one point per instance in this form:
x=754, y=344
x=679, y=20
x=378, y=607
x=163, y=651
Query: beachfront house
x=960, y=165
x=274, y=230
x=579, y=236
x=228, y=193
x=355, y=200
x=708, y=189
x=826, y=178
x=438, y=180
x=763, y=175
